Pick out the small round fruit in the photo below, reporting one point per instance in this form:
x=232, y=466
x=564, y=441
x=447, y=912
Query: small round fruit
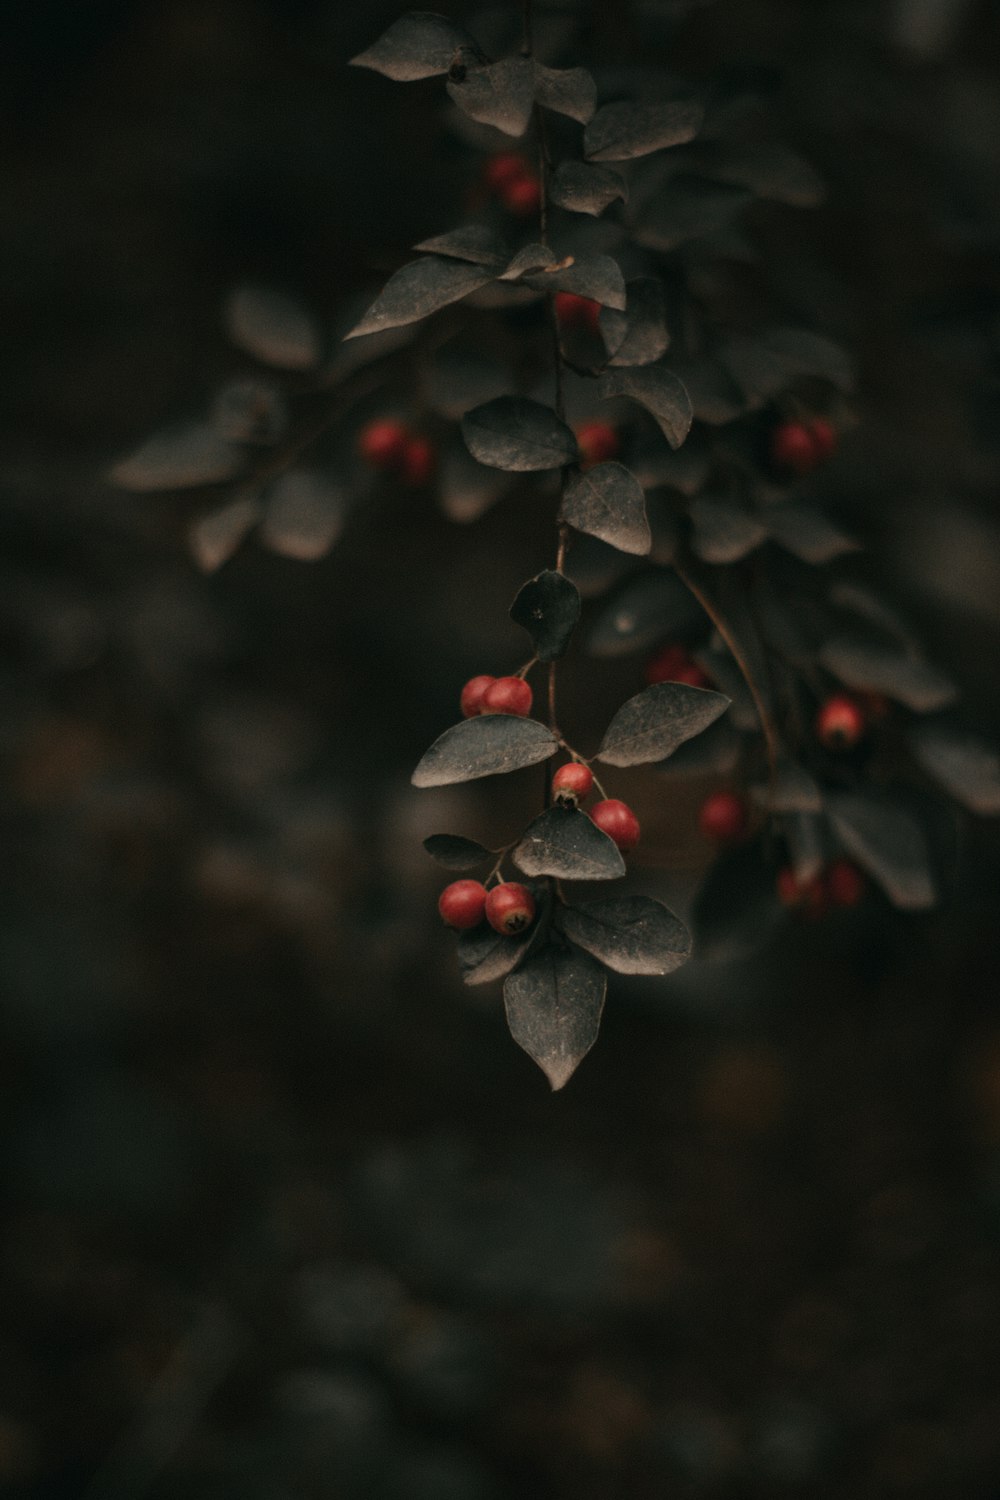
x=824, y=437
x=845, y=884
x=598, y=441
x=722, y=818
x=574, y=311
x=793, y=447
x=510, y=907
x=463, y=904
x=806, y=898
x=507, y=695
x=471, y=700
x=618, y=821
x=572, y=783
x=662, y=665
x=504, y=168
x=522, y=196
x=382, y=442
x=418, y=461
x=841, y=722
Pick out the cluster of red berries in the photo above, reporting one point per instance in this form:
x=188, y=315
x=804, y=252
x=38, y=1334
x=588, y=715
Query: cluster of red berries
x=386, y=444
x=674, y=663
x=509, y=907
x=519, y=188
x=840, y=884
x=800, y=447
x=573, y=782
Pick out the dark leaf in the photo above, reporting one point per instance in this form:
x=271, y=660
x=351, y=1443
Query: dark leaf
x=769, y=170
x=659, y=391
x=760, y=372
x=595, y=276
x=518, y=435
x=651, y=725
x=466, y=489
x=723, y=530
x=487, y=746
x=808, y=353
x=619, y=132
x=179, y=458
x=639, y=335
x=304, y=516
x=858, y=599
x=586, y=189
x=562, y=841
x=686, y=470
x=528, y=260
x=715, y=396
x=566, y=91
x=966, y=766
x=501, y=95
x=719, y=665
x=807, y=534
x=418, y=289
x=736, y=910
x=554, y=1004
x=456, y=853
x=805, y=836
x=273, y=327
x=790, y=790
x=714, y=753
x=685, y=208
x=870, y=666
x=478, y=243
x=648, y=609
x=214, y=538
x=250, y=411
x=888, y=843
x=485, y=955
x=418, y=45
x=548, y=607
x=631, y=934
x=608, y=502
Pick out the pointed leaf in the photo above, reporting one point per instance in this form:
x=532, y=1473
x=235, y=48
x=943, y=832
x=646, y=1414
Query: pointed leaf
x=608, y=502
x=250, y=411
x=485, y=955
x=179, y=458
x=487, y=746
x=651, y=725
x=548, y=607
x=659, y=391
x=459, y=379
x=687, y=207
x=456, y=853
x=529, y=260
x=639, y=335
x=648, y=609
x=597, y=277
x=418, y=289
x=966, y=766
x=501, y=95
x=418, y=45
x=887, y=842
x=807, y=534
x=620, y=132
x=723, y=531
x=519, y=435
x=631, y=934
x=214, y=538
x=478, y=243
x=873, y=667
x=566, y=91
x=273, y=327
x=562, y=841
x=554, y=1004
x=736, y=910
x=586, y=189
x=716, y=752
x=808, y=353
x=304, y=516
x=790, y=790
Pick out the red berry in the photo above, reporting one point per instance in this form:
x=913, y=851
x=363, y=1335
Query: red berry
x=471, y=701
x=662, y=665
x=510, y=907
x=807, y=898
x=522, y=196
x=841, y=722
x=463, y=904
x=507, y=695
x=845, y=884
x=824, y=437
x=572, y=783
x=793, y=447
x=598, y=442
x=575, y=311
x=722, y=818
x=381, y=442
x=691, y=674
x=503, y=169
x=418, y=461
x=618, y=821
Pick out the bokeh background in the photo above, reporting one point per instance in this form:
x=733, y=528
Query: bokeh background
x=288, y=1214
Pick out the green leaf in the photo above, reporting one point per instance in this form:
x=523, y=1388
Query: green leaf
x=548, y=607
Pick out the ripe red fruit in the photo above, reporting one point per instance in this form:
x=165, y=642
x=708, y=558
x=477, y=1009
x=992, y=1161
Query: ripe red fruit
x=841, y=722
x=824, y=437
x=507, y=695
x=381, y=442
x=572, y=783
x=503, y=169
x=807, y=898
x=471, y=701
x=462, y=904
x=618, y=821
x=662, y=665
x=574, y=311
x=510, y=907
x=722, y=818
x=598, y=441
x=418, y=461
x=522, y=196
x=793, y=447
x=845, y=884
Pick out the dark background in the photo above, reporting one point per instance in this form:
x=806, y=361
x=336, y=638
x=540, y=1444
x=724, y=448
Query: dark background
x=289, y=1214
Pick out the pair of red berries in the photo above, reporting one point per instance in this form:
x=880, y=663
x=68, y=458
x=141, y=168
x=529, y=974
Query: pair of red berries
x=800, y=447
x=841, y=722
x=509, y=907
x=495, y=695
x=573, y=782
x=674, y=663
x=840, y=884
x=515, y=184
x=386, y=444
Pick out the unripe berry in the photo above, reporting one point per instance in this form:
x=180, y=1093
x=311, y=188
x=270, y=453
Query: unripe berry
x=840, y=723
x=598, y=441
x=381, y=442
x=418, y=461
x=665, y=662
x=522, y=196
x=722, y=818
x=462, y=904
x=503, y=169
x=618, y=821
x=510, y=907
x=471, y=701
x=824, y=437
x=807, y=898
x=845, y=884
x=793, y=447
x=507, y=695
x=572, y=783
x=574, y=311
